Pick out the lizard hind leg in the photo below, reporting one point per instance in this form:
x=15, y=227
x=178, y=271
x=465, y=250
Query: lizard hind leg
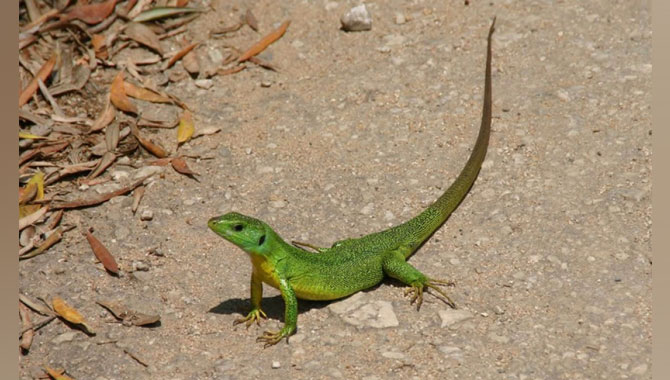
x=395, y=266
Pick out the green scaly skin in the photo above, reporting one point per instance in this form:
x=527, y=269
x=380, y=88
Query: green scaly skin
x=349, y=265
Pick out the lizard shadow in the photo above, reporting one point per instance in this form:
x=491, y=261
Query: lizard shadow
x=272, y=306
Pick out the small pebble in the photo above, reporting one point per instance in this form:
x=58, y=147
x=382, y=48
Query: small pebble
x=204, y=83
x=400, y=19
x=266, y=83
x=276, y=364
x=140, y=266
x=357, y=19
x=147, y=215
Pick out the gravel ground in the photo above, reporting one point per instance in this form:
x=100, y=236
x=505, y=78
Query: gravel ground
x=359, y=131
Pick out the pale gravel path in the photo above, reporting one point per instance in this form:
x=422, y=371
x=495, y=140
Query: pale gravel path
x=550, y=250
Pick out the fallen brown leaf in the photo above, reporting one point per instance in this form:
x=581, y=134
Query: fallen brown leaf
x=179, y=164
x=112, y=133
x=231, y=70
x=251, y=20
x=128, y=316
x=118, y=95
x=99, y=46
x=181, y=53
x=107, y=159
x=92, y=13
x=42, y=75
x=27, y=336
x=144, y=36
x=265, y=42
x=42, y=150
x=55, y=219
x=57, y=374
x=53, y=238
x=28, y=193
x=98, y=199
x=70, y=314
x=149, y=145
x=102, y=253
x=144, y=94
x=137, y=197
x=32, y=218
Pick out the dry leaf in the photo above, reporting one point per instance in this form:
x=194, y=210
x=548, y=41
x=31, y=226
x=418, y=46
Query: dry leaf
x=141, y=319
x=70, y=314
x=186, y=127
x=26, y=135
x=92, y=13
x=107, y=159
x=53, y=238
x=137, y=197
x=26, y=324
x=55, y=219
x=26, y=210
x=26, y=194
x=112, y=137
x=118, y=95
x=57, y=375
x=160, y=162
x=149, y=145
x=105, y=117
x=231, y=70
x=180, y=166
x=102, y=253
x=42, y=75
x=206, y=131
x=38, y=307
x=98, y=199
x=143, y=35
x=99, y=46
x=184, y=51
x=144, y=94
x=160, y=12
x=128, y=316
x=32, y=218
x=191, y=63
x=265, y=42
x=251, y=20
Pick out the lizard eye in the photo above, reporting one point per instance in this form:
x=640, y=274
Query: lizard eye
x=261, y=240
x=238, y=227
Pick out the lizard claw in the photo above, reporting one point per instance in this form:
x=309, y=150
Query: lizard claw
x=254, y=315
x=416, y=290
x=271, y=338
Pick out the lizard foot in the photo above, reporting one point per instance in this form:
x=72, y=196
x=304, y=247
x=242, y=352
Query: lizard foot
x=416, y=290
x=271, y=338
x=254, y=315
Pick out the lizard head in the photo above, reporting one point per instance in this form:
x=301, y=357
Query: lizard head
x=245, y=232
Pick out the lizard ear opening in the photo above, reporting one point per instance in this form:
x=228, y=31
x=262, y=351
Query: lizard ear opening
x=261, y=240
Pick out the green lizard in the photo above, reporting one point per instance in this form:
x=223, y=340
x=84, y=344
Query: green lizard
x=349, y=265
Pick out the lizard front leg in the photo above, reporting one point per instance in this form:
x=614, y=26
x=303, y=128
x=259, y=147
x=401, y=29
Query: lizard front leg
x=290, y=316
x=395, y=266
x=256, y=295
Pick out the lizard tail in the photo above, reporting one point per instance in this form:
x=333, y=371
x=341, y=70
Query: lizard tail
x=437, y=213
